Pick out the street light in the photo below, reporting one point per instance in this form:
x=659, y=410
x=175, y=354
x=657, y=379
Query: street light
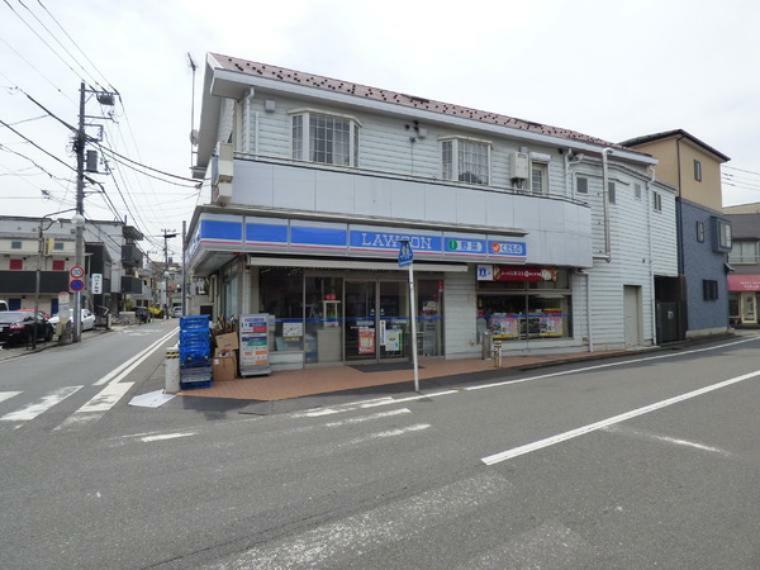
x=40, y=243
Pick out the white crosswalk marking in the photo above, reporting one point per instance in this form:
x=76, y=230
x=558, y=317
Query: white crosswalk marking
x=97, y=406
x=31, y=411
x=8, y=395
x=350, y=537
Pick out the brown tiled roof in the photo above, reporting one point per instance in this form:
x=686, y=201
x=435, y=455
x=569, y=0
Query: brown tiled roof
x=320, y=82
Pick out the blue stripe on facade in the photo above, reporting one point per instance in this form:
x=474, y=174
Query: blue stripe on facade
x=217, y=229
x=266, y=233
x=317, y=236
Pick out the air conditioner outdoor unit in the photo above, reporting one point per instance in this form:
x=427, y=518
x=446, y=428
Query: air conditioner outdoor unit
x=519, y=165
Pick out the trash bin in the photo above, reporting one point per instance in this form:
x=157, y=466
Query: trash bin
x=171, y=370
x=496, y=353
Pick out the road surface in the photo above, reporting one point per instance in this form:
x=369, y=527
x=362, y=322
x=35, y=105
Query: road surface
x=633, y=463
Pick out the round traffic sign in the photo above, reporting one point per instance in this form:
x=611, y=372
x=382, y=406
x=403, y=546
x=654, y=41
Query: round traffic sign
x=76, y=284
x=76, y=271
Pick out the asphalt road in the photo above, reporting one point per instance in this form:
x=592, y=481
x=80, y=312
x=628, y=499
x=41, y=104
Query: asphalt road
x=648, y=463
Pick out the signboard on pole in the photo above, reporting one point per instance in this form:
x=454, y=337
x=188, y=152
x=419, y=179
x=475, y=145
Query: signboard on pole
x=76, y=272
x=96, y=283
x=405, y=259
x=405, y=253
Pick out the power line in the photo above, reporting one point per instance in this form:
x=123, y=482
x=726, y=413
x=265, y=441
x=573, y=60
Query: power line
x=151, y=168
x=43, y=40
x=22, y=155
x=754, y=172
x=29, y=120
x=95, y=67
x=52, y=35
x=32, y=66
x=35, y=145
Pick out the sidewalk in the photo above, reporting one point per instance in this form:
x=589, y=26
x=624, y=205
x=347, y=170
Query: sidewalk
x=284, y=385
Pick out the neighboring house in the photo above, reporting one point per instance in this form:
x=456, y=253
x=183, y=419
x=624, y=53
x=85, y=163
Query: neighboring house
x=696, y=304
x=517, y=229
x=744, y=282
x=110, y=249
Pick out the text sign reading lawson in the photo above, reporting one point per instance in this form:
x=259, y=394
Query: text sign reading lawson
x=390, y=241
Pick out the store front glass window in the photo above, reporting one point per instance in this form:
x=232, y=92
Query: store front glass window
x=527, y=303
x=430, y=317
x=282, y=297
x=324, y=318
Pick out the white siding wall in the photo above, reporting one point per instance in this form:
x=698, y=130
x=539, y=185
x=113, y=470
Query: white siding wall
x=459, y=312
x=384, y=143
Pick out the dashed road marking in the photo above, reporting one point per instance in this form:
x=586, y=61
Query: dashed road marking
x=31, y=411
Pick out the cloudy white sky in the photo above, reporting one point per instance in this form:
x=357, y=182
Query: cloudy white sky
x=610, y=69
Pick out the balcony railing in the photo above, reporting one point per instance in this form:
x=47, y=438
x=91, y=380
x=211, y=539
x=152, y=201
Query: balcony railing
x=131, y=256
x=131, y=285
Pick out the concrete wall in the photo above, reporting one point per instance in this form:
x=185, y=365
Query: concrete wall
x=701, y=262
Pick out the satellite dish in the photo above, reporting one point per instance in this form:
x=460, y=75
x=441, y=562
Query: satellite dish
x=194, y=137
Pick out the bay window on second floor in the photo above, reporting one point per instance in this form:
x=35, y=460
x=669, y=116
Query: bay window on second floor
x=466, y=160
x=325, y=138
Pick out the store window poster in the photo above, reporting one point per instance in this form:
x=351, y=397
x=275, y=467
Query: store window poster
x=366, y=340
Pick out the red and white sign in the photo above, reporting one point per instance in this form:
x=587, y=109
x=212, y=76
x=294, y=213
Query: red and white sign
x=738, y=283
x=76, y=272
x=530, y=274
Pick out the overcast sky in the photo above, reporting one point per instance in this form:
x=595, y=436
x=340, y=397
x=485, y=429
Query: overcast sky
x=610, y=69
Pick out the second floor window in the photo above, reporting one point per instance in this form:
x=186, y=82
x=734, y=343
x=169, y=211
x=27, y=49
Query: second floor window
x=744, y=252
x=323, y=138
x=700, y=231
x=698, y=170
x=611, y=192
x=724, y=234
x=15, y=244
x=466, y=161
x=656, y=201
x=539, y=181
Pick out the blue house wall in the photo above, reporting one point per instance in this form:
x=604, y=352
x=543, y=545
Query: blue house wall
x=701, y=262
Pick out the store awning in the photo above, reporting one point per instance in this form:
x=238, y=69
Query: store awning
x=317, y=263
x=739, y=283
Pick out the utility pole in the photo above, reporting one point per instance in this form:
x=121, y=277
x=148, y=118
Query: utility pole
x=79, y=218
x=167, y=234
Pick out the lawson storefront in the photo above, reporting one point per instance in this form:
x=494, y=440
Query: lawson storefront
x=334, y=291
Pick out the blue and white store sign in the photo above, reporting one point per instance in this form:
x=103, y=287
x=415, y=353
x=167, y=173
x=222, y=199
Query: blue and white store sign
x=251, y=234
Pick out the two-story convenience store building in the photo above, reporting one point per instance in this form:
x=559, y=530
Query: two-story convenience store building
x=542, y=237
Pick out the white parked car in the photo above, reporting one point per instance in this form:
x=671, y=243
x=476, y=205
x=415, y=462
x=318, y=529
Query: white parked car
x=88, y=319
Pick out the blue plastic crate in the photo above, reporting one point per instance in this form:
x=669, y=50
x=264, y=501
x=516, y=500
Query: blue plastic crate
x=195, y=385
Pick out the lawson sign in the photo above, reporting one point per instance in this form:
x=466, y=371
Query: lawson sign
x=282, y=235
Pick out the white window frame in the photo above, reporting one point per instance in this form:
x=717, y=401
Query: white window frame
x=577, y=187
x=637, y=191
x=544, y=166
x=353, y=129
x=697, y=170
x=454, y=140
x=656, y=202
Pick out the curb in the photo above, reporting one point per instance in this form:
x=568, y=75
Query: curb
x=52, y=344
x=272, y=407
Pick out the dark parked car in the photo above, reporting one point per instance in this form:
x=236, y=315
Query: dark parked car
x=17, y=327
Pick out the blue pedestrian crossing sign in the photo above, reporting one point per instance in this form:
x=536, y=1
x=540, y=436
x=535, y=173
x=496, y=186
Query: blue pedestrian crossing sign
x=405, y=253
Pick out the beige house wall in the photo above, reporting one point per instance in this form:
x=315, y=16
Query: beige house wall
x=665, y=152
x=752, y=208
x=708, y=192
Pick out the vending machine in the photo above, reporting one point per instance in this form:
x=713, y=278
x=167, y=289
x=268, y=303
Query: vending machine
x=254, y=349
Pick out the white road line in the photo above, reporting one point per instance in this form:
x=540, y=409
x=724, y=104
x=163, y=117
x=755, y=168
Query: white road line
x=386, y=434
x=368, y=418
x=142, y=354
x=608, y=365
x=348, y=538
x=165, y=436
x=408, y=399
x=551, y=545
x=97, y=406
x=31, y=411
x=8, y=395
x=666, y=439
x=559, y=438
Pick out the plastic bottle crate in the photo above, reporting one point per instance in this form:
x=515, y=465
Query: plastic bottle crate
x=195, y=377
x=193, y=360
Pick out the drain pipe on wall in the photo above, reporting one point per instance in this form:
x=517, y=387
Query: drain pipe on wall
x=605, y=206
x=588, y=312
x=653, y=307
